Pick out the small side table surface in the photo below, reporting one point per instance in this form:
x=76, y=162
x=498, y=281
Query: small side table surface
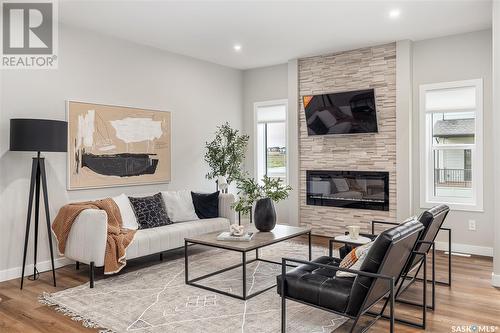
x=358, y=241
x=346, y=240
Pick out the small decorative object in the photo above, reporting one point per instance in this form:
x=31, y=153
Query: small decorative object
x=222, y=184
x=225, y=153
x=353, y=231
x=38, y=135
x=264, y=196
x=117, y=146
x=236, y=230
x=226, y=236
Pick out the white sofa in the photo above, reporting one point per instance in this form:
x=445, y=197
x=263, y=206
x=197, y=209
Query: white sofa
x=87, y=239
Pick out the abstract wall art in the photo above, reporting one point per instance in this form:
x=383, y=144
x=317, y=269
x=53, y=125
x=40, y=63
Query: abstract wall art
x=117, y=146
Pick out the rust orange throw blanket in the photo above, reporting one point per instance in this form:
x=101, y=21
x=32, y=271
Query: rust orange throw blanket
x=118, y=238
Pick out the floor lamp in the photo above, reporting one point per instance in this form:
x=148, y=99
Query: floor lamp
x=37, y=135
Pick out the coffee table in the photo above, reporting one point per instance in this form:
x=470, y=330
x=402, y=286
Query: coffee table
x=260, y=239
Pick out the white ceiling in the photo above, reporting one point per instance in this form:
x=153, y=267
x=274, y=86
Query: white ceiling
x=272, y=32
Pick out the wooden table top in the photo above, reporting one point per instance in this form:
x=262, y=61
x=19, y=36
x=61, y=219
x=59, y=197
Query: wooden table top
x=280, y=233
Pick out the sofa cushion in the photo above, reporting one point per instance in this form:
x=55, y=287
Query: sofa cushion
x=206, y=205
x=129, y=221
x=318, y=286
x=150, y=211
x=149, y=241
x=179, y=205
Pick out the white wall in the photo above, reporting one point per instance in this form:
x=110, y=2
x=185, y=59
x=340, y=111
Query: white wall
x=453, y=58
x=404, y=109
x=95, y=68
x=260, y=85
x=496, y=143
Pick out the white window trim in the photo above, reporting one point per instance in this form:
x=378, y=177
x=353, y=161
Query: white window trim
x=426, y=177
x=256, y=105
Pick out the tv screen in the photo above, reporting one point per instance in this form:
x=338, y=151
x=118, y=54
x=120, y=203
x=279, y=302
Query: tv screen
x=341, y=113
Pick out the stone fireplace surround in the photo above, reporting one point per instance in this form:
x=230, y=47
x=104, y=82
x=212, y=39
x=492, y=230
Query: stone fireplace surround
x=373, y=67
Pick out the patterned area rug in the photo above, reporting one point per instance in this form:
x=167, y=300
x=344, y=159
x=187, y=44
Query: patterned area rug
x=156, y=299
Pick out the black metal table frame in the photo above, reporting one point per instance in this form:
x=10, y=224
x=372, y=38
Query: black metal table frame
x=243, y=264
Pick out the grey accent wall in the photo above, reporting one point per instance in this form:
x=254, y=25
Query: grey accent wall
x=454, y=58
x=260, y=85
x=404, y=133
x=373, y=67
x=101, y=69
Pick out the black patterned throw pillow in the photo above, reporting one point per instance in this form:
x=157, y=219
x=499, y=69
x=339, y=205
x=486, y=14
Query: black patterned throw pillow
x=150, y=211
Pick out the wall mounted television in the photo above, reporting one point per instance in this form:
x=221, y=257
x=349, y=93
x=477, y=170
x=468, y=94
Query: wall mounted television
x=350, y=112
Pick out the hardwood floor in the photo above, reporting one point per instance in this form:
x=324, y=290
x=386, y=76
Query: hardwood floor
x=470, y=300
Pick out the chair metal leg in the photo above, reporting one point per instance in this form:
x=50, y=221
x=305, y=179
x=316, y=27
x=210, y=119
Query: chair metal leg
x=391, y=306
x=91, y=274
x=424, y=307
x=77, y=264
x=433, y=306
x=449, y=257
x=310, y=246
x=283, y=298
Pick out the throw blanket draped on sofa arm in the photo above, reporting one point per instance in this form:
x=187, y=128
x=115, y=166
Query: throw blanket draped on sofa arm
x=118, y=239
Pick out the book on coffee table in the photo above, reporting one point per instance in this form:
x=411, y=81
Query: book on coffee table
x=226, y=236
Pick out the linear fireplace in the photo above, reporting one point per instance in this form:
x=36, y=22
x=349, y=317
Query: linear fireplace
x=348, y=189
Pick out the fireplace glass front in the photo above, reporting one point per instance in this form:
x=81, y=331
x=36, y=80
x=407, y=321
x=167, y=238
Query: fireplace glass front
x=348, y=189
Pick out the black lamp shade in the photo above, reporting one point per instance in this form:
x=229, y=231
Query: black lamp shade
x=38, y=135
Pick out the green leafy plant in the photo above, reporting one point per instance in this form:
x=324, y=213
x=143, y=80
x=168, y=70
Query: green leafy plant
x=249, y=191
x=225, y=153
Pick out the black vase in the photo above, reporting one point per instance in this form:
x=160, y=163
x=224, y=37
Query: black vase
x=265, y=215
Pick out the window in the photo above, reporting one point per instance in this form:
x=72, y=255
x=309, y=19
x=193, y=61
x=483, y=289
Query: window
x=451, y=144
x=271, y=139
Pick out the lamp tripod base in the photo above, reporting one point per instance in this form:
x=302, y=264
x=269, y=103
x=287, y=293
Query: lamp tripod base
x=38, y=182
x=35, y=276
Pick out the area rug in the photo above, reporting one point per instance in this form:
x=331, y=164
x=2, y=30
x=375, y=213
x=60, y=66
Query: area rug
x=156, y=299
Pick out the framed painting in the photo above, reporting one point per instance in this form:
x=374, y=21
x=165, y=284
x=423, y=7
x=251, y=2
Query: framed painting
x=117, y=146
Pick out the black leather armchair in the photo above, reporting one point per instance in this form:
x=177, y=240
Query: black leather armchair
x=315, y=282
x=432, y=221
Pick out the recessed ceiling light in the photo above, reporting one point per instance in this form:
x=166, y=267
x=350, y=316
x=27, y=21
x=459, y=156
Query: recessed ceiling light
x=237, y=47
x=395, y=13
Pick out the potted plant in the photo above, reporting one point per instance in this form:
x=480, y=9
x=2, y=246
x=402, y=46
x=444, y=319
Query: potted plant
x=264, y=196
x=225, y=154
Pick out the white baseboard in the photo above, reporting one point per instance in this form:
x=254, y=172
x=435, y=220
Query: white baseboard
x=466, y=248
x=495, y=280
x=14, y=273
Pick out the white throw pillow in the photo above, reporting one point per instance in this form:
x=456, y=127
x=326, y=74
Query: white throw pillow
x=179, y=205
x=128, y=216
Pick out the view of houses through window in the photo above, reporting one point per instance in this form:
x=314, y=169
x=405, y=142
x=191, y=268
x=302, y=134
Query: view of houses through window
x=271, y=139
x=453, y=164
x=451, y=120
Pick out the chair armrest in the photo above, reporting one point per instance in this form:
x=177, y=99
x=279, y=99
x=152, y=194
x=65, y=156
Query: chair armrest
x=87, y=238
x=381, y=222
x=335, y=268
x=226, y=201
